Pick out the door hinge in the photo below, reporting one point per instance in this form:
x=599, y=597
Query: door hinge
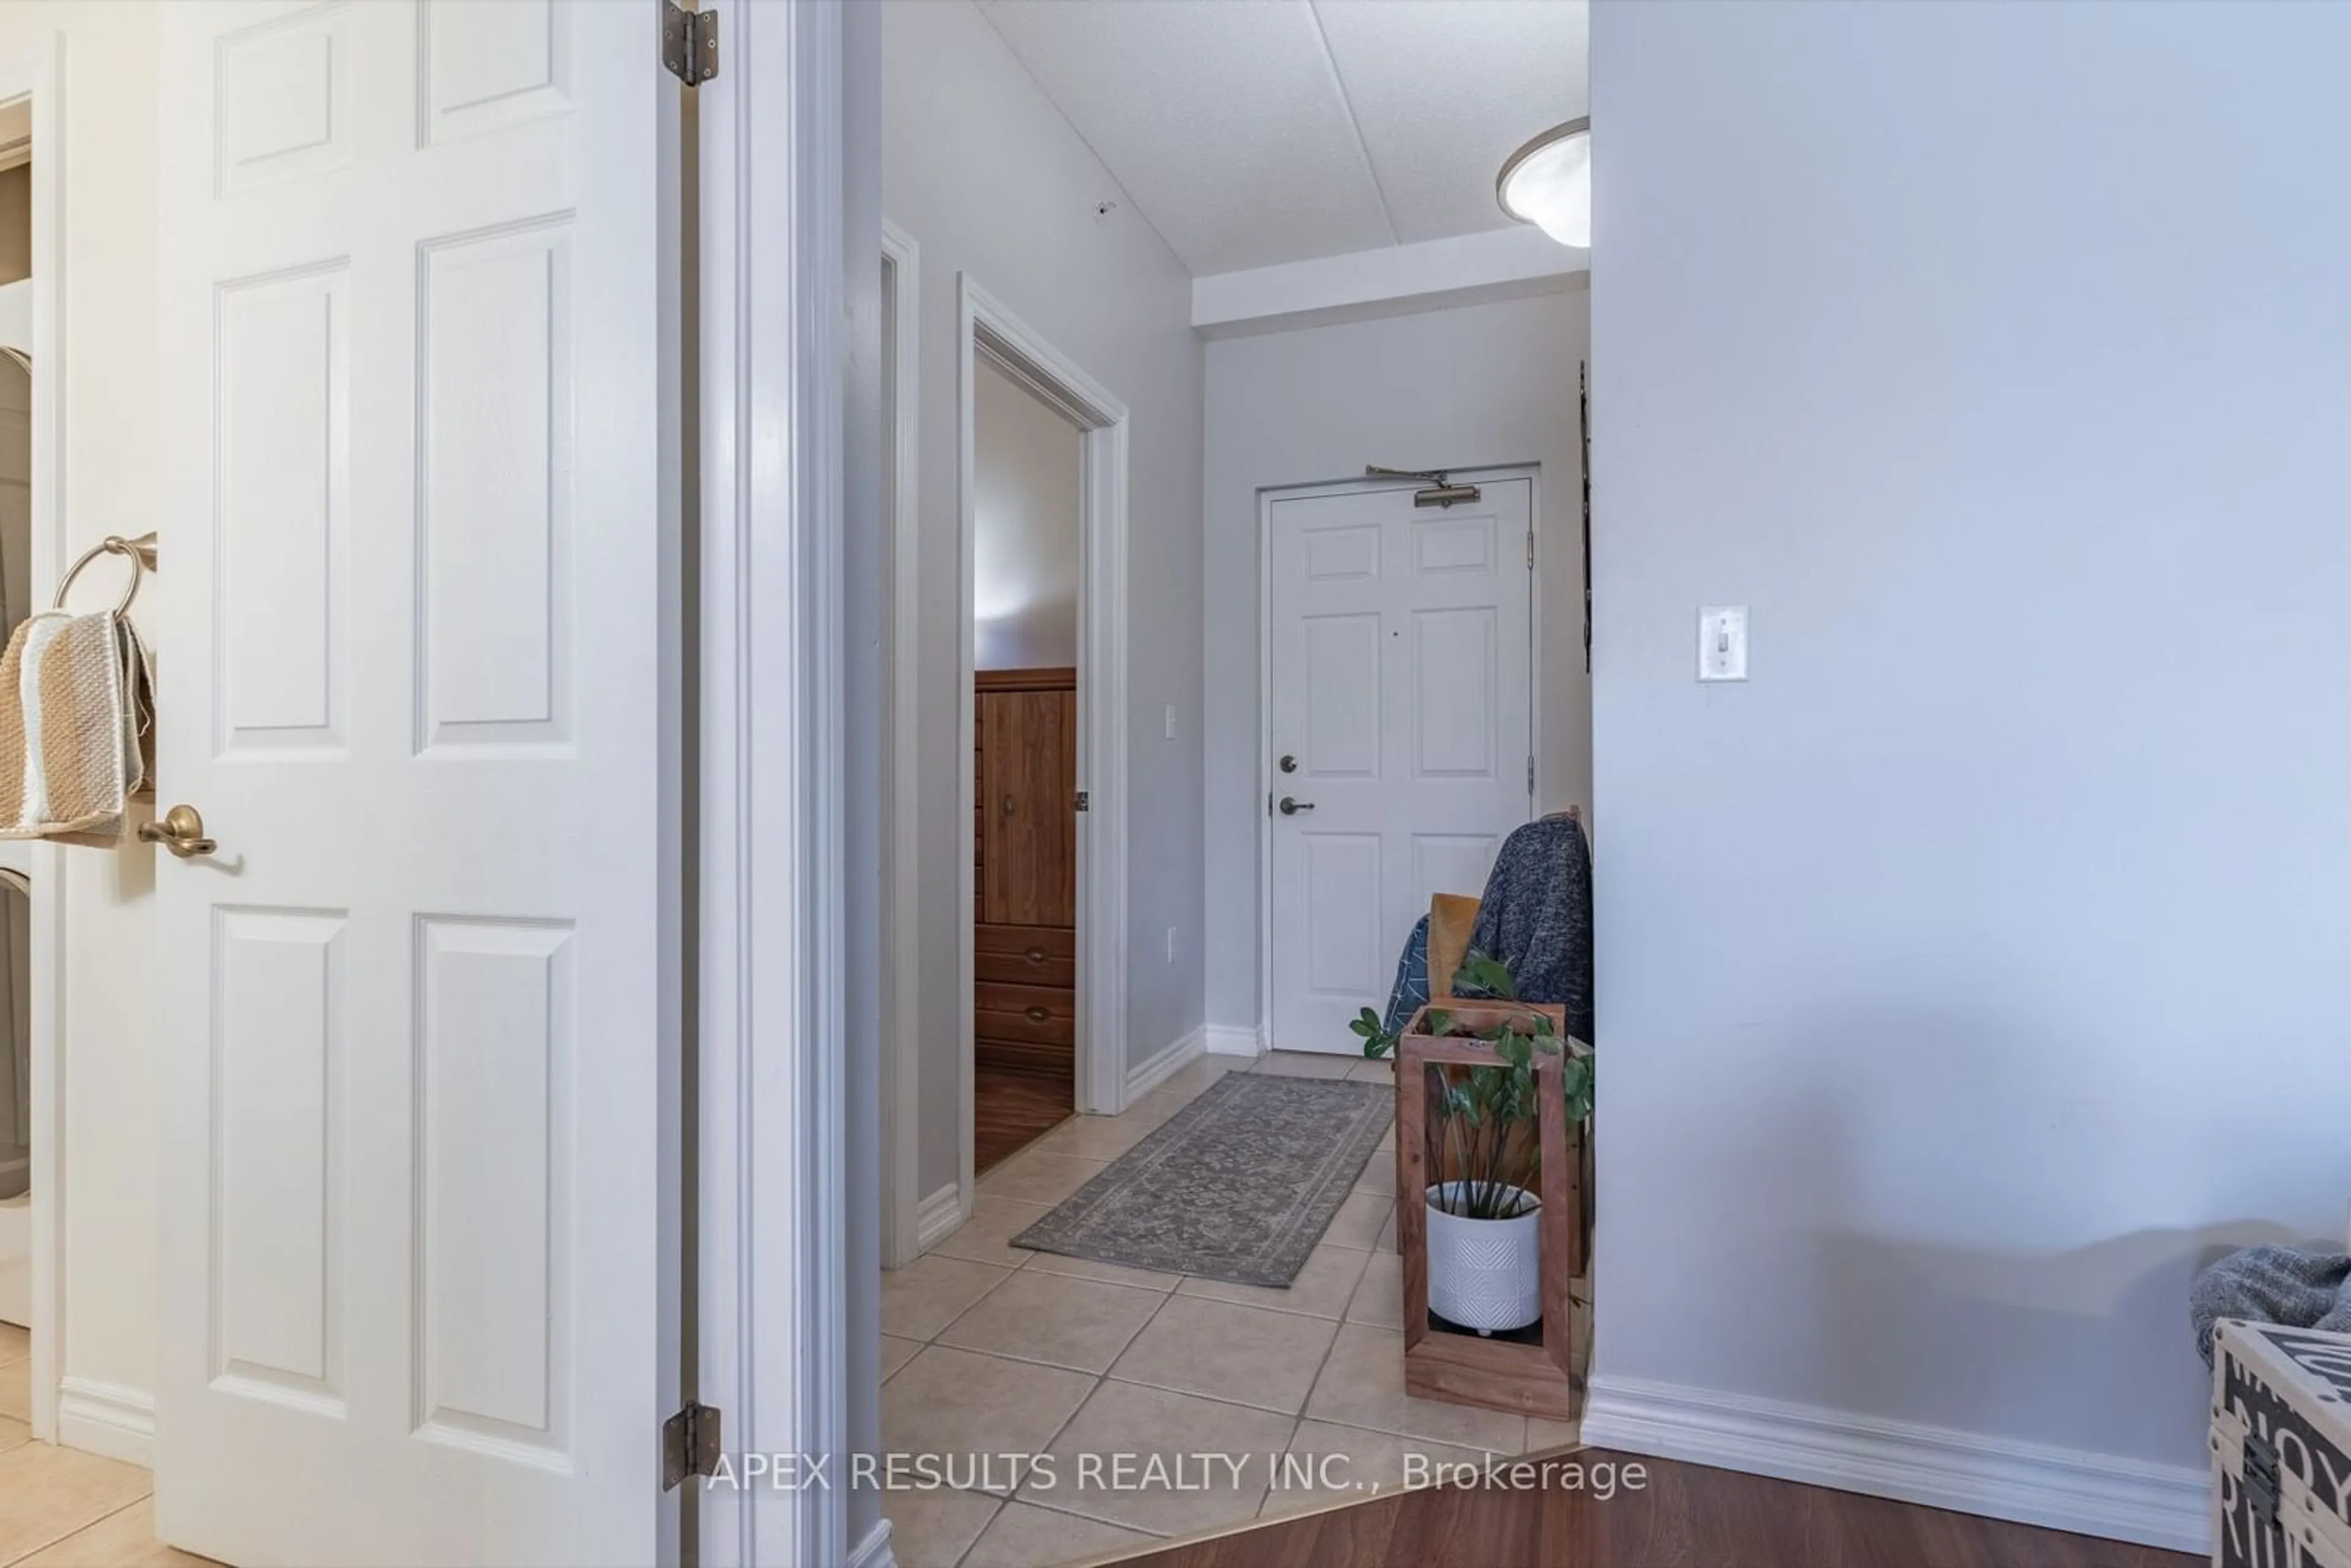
x=1082, y=799
x=1531, y=775
x=1530, y=550
x=689, y=1444
x=689, y=44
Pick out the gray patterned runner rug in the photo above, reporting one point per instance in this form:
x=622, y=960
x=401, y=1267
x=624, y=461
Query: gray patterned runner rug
x=1239, y=1185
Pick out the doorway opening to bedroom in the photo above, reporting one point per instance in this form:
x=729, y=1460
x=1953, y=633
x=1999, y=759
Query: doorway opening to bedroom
x=1028, y=485
x=1006, y=768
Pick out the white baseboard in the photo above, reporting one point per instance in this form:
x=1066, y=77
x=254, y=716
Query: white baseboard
x=1163, y=1064
x=874, y=1551
x=1233, y=1039
x=937, y=1216
x=2031, y=1483
x=108, y=1419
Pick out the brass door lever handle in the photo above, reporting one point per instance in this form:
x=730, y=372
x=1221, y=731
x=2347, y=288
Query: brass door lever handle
x=181, y=832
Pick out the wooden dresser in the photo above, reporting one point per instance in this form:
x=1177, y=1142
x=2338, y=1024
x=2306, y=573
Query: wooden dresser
x=1025, y=844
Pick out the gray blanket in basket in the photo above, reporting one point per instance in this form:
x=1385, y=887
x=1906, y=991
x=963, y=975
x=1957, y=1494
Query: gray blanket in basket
x=2273, y=1285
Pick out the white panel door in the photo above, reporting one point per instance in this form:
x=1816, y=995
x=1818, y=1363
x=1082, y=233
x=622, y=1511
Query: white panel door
x=414, y=640
x=1400, y=723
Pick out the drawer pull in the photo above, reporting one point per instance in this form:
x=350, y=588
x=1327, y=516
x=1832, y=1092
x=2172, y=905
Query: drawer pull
x=1039, y=1013
x=1035, y=954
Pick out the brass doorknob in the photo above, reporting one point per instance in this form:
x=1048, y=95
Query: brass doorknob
x=181, y=832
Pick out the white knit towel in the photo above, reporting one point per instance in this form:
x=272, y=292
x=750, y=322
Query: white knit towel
x=77, y=726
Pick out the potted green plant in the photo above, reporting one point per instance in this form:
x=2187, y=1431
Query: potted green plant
x=1484, y=1257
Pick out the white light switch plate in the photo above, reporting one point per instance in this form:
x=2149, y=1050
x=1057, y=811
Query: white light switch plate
x=1722, y=643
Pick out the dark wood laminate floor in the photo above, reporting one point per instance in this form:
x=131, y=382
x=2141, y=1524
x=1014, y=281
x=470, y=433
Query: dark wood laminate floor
x=1688, y=1516
x=1011, y=1110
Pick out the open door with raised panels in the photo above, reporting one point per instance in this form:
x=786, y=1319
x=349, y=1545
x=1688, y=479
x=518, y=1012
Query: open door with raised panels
x=416, y=1019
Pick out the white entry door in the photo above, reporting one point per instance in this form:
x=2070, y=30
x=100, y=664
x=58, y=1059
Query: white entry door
x=1400, y=727
x=418, y=1169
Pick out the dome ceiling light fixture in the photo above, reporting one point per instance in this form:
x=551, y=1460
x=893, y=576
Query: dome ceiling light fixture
x=1548, y=183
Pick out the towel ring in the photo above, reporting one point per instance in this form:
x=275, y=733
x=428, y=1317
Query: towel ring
x=141, y=551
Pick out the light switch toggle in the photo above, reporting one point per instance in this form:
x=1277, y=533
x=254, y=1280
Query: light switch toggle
x=1722, y=643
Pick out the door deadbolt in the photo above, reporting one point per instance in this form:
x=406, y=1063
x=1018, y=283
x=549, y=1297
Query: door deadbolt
x=1289, y=764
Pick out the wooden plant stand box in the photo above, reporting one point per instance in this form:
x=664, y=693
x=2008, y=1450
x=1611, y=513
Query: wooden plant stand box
x=1536, y=1371
x=2280, y=1447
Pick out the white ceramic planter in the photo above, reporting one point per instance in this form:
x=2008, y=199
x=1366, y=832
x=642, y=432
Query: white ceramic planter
x=1485, y=1274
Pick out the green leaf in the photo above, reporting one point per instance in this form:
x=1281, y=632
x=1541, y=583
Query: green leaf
x=1377, y=1040
x=1487, y=976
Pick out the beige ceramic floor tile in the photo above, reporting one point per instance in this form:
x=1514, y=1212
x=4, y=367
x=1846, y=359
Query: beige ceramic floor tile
x=1379, y=1295
x=1307, y=1064
x=987, y=1236
x=896, y=1353
x=1056, y=1320
x=1095, y=1137
x=1372, y=1072
x=1358, y=1223
x=1154, y=1108
x=1543, y=1436
x=1033, y=1176
x=1338, y=1464
x=47, y=1493
x=1122, y=1424
x=959, y=1404
x=933, y=1529
x=124, y=1538
x=1362, y=1384
x=1322, y=1289
x=1198, y=1073
x=1379, y=1175
x=1386, y=1240
x=1106, y=1274
x=1026, y=1537
x=929, y=1293
x=13, y=1433
x=1220, y=1351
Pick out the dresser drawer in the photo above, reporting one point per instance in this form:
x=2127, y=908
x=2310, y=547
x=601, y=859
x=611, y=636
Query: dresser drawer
x=1025, y=956
x=1046, y=1015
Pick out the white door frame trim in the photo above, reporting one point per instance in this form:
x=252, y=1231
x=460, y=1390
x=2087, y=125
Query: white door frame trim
x=1493, y=474
x=38, y=73
x=902, y=1197
x=774, y=1197
x=984, y=327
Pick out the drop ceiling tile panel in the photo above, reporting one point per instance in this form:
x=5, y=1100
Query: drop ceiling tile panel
x=1446, y=90
x=1222, y=118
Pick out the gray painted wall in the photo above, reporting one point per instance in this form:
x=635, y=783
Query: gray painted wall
x=1028, y=467
x=1474, y=385
x=982, y=171
x=1974, y=972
